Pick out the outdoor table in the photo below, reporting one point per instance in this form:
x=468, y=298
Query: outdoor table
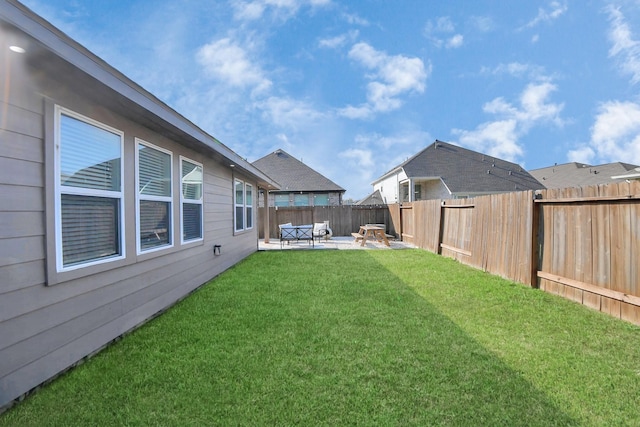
x=372, y=231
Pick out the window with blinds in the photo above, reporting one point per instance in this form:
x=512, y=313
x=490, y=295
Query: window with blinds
x=154, y=213
x=248, y=207
x=191, y=200
x=243, y=205
x=239, y=205
x=89, y=196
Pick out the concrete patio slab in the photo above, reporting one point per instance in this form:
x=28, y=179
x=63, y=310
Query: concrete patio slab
x=343, y=243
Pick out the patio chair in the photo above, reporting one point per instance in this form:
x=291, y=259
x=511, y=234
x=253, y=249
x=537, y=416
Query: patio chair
x=321, y=230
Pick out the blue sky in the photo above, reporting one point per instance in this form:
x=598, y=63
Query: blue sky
x=353, y=88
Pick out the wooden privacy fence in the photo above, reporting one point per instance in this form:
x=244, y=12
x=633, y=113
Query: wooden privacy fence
x=580, y=243
x=343, y=220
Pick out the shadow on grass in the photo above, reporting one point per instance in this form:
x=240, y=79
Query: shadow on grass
x=287, y=338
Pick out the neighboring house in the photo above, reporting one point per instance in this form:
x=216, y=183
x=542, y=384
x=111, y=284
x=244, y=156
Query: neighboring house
x=299, y=184
x=634, y=174
x=114, y=206
x=447, y=171
x=372, y=199
x=581, y=174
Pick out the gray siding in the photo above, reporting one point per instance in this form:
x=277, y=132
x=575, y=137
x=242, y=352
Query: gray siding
x=45, y=329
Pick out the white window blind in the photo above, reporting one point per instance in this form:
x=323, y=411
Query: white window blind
x=154, y=197
x=192, y=183
x=239, y=205
x=88, y=192
x=249, y=206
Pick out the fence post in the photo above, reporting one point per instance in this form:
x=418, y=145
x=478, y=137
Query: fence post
x=535, y=242
x=440, y=228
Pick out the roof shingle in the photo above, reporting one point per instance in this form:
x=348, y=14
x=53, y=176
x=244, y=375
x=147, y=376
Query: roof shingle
x=466, y=171
x=580, y=174
x=293, y=175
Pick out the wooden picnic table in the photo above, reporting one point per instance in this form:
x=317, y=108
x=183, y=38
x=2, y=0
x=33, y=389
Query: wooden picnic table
x=371, y=231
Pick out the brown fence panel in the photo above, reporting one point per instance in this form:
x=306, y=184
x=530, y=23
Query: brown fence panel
x=343, y=220
x=395, y=225
x=407, y=221
x=426, y=217
x=591, y=247
x=493, y=233
x=456, y=229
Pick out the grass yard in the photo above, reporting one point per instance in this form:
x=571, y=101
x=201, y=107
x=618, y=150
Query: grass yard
x=356, y=338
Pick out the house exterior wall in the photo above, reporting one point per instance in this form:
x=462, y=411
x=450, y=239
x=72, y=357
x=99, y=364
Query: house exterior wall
x=50, y=321
x=434, y=189
x=389, y=187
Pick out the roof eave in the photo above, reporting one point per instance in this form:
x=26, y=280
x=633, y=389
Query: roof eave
x=64, y=47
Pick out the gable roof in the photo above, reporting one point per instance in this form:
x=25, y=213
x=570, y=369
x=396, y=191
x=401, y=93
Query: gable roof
x=72, y=63
x=466, y=171
x=293, y=175
x=374, y=198
x=580, y=174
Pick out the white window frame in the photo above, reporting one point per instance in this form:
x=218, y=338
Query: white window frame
x=248, y=208
x=145, y=197
x=183, y=200
x=243, y=206
x=61, y=189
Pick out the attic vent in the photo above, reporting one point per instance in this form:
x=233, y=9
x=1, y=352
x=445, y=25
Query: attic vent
x=510, y=173
x=489, y=171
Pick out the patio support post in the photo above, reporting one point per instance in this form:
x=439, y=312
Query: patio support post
x=266, y=215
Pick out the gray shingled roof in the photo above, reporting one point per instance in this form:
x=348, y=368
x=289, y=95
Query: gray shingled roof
x=580, y=174
x=293, y=175
x=374, y=198
x=466, y=171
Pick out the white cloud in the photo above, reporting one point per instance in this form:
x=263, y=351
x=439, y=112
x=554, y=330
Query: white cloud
x=624, y=46
x=289, y=113
x=615, y=135
x=361, y=112
x=255, y=9
x=438, y=33
x=229, y=62
x=519, y=70
x=483, y=24
x=359, y=157
x=555, y=11
x=354, y=19
x=500, y=137
x=442, y=25
x=455, y=41
x=581, y=155
x=338, y=41
x=391, y=77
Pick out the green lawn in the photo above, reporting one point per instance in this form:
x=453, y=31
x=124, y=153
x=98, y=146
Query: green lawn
x=356, y=338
